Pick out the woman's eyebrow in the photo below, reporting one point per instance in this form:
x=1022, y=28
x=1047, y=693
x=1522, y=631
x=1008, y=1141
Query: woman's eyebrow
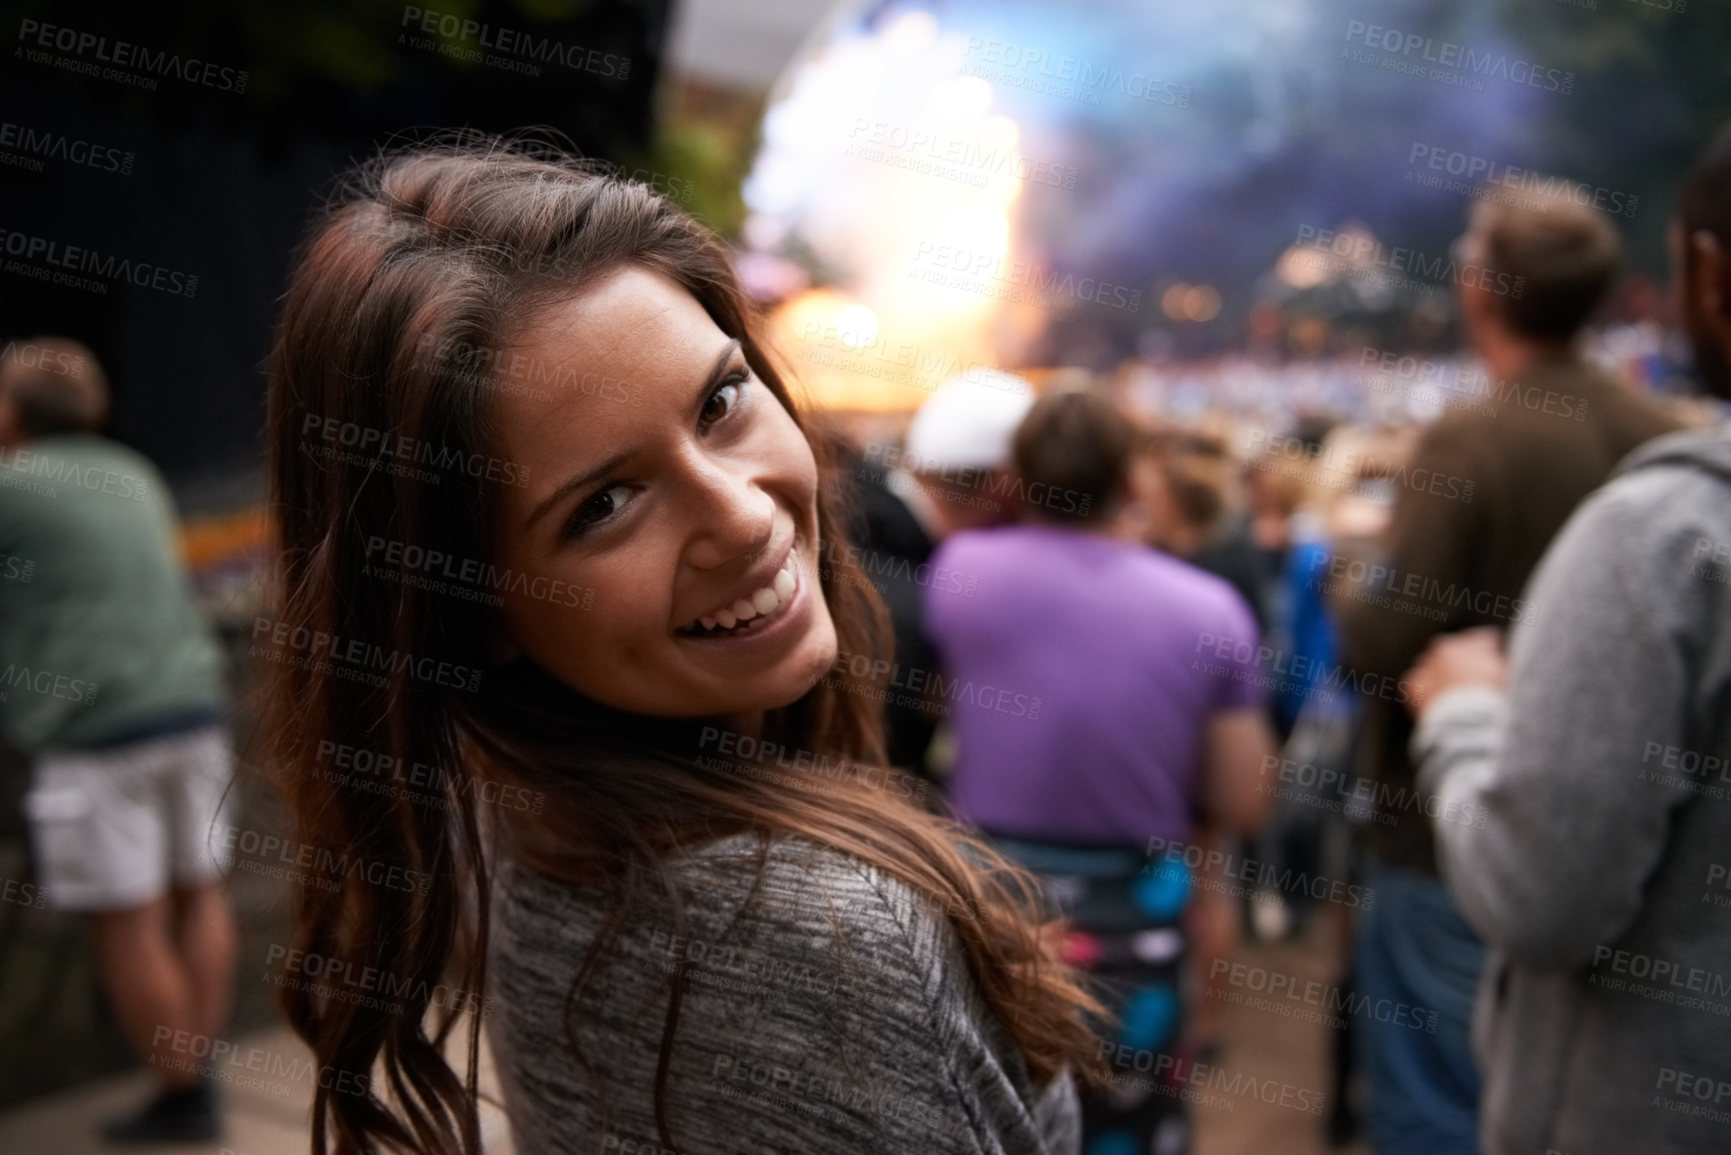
x=716, y=372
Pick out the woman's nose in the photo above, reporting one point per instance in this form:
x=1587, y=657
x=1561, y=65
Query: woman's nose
x=733, y=515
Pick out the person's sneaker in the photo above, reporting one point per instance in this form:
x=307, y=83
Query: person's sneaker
x=186, y=1115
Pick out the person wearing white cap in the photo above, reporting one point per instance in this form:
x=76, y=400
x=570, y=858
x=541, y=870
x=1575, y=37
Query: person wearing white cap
x=951, y=475
x=958, y=447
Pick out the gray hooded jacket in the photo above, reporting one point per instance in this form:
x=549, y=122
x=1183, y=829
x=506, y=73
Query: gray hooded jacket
x=1588, y=831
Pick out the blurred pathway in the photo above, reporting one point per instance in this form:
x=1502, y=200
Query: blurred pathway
x=266, y=1119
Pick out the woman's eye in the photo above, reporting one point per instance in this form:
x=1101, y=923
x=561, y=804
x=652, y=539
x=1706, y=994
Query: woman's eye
x=597, y=509
x=725, y=398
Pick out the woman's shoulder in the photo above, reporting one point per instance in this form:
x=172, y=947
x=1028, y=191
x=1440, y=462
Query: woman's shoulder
x=826, y=899
x=794, y=868
x=804, y=972
x=728, y=865
x=772, y=905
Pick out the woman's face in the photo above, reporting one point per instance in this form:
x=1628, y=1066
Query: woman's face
x=666, y=478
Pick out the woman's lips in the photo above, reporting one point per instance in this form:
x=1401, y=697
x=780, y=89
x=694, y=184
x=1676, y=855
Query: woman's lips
x=755, y=612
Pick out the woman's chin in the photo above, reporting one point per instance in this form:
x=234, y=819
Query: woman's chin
x=791, y=687
x=794, y=679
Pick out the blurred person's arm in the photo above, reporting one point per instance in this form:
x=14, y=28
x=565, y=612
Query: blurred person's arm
x=1431, y=537
x=1211, y=921
x=1237, y=742
x=1551, y=811
x=1236, y=746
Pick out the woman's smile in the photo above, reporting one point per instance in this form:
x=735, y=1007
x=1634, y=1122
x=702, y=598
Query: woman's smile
x=762, y=601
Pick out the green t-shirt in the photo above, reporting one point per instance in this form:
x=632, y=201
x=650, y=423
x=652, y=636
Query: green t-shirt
x=99, y=635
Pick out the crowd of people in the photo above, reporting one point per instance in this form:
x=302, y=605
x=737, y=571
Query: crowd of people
x=1165, y=662
x=1209, y=586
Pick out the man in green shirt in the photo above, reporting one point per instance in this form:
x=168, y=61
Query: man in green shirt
x=112, y=683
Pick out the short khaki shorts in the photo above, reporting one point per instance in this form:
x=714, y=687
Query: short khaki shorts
x=115, y=828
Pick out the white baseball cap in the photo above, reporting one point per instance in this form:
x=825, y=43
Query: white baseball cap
x=968, y=422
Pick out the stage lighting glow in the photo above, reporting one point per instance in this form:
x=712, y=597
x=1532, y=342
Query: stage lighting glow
x=856, y=325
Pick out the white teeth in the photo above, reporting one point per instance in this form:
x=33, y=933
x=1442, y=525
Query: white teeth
x=760, y=602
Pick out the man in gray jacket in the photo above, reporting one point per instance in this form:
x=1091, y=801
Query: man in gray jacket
x=1584, y=813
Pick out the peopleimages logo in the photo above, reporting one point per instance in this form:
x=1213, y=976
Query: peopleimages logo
x=469, y=578
x=384, y=443
x=352, y=658
x=1309, y=1001
x=49, y=360
x=987, y=274
x=1214, y=866
x=1068, y=77
x=1288, y=456
x=507, y=48
x=1680, y=768
x=64, y=261
x=21, y=463
x=1702, y=1088
x=428, y=785
x=46, y=683
x=1339, y=791
x=28, y=148
x=886, y=357
x=1391, y=580
x=21, y=893
x=930, y=152
x=121, y=54
x=1177, y=1077
x=1481, y=177
x=1355, y=254
x=219, y=1058
x=753, y=757
x=1409, y=51
x=507, y=371
x=344, y=979
x=327, y=865
x=912, y=686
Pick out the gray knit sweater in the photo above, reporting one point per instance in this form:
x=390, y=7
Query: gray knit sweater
x=827, y=1009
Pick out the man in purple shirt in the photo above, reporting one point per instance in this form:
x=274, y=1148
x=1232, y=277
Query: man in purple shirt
x=1102, y=692
x=1104, y=699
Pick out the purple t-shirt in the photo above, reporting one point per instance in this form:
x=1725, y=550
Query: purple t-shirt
x=1079, y=672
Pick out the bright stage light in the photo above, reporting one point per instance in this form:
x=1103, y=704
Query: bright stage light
x=856, y=325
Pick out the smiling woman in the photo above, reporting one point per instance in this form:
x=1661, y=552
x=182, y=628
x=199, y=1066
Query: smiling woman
x=686, y=951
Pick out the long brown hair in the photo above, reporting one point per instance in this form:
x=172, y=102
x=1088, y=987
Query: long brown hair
x=407, y=290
